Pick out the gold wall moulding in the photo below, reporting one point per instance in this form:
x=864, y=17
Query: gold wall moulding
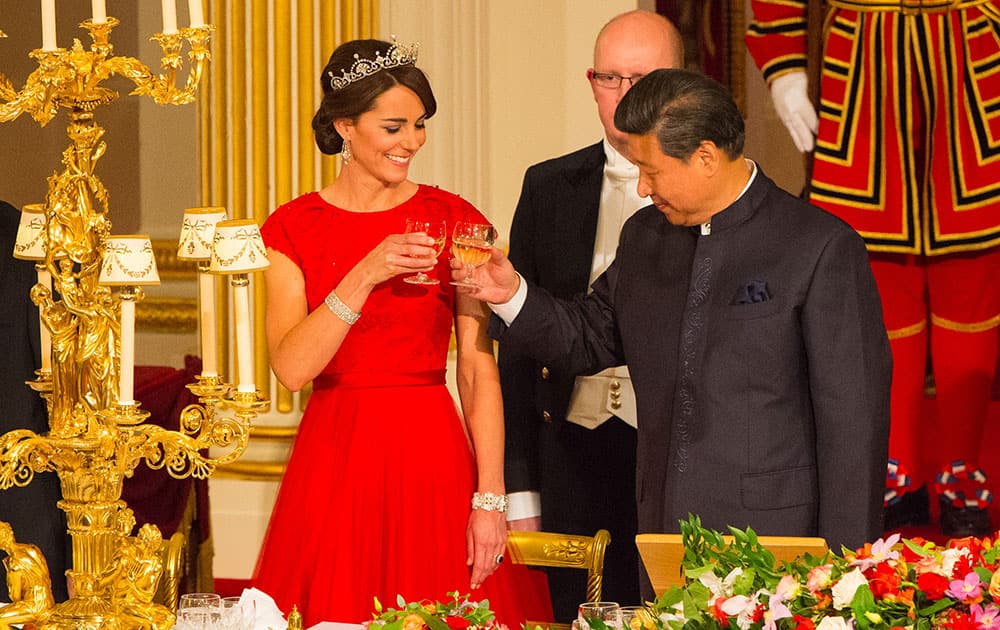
x=167, y=315
x=171, y=267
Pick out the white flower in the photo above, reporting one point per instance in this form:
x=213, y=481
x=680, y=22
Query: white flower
x=835, y=623
x=676, y=613
x=843, y=591
x=743, y=608
x=719, y=587
x=948, y=559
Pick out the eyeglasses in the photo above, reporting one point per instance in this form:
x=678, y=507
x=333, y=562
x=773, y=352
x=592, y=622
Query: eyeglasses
x=611, y=81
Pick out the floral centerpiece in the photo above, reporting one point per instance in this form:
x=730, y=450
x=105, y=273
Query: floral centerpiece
x=890, y=583
x=457, y=614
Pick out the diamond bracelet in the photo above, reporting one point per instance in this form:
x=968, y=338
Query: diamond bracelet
x=489, y=502
x=341, y=310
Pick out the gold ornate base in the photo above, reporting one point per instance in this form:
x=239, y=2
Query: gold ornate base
x=81, y=614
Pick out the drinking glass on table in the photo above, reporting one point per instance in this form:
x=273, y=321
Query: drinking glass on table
x=199, y=611
x=593, y=614
x=435, y=229
x=234, y=616
x=636, y=618
x=472, y=244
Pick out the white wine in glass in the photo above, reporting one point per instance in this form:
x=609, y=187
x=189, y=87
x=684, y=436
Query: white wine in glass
x=472, y=244
x=437, y=230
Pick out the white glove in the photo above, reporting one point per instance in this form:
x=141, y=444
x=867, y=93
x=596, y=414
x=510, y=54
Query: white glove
x=790, y=93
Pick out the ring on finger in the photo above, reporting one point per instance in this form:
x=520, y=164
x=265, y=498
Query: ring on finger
x=499, y=558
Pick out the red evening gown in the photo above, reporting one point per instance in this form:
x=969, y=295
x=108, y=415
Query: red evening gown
x=376, y=497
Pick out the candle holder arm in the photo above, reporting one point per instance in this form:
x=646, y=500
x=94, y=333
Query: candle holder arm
x=24, y=453
x=185, y=453
x=162, y=88
x=37, y=97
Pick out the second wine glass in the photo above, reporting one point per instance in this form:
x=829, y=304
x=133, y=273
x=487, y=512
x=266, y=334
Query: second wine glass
x=472, y=244
x=437, y=230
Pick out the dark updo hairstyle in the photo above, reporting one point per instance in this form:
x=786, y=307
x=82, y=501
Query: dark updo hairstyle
x=359, y=96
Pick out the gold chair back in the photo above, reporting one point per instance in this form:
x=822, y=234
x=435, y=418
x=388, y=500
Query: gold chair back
x=172, y=553
x=550, y=549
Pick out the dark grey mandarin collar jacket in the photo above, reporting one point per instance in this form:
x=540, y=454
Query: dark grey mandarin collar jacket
x=766, y=407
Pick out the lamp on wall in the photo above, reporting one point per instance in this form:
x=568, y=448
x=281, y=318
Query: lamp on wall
x=238, y=250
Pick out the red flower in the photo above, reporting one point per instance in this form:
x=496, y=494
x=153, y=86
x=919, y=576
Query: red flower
x=803, y=623
x=909, y=555
x=884, y=581
x=932, y=585
x=457, y=623
x=719, y=614
x=960, y=621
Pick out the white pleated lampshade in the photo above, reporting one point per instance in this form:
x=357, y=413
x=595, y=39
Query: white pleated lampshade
x=30, y=241
x=128, y=261
x=238, y=248
x=197, y=232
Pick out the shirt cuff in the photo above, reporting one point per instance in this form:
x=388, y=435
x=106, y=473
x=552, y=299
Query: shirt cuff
x=509, y=310
x=523, y=504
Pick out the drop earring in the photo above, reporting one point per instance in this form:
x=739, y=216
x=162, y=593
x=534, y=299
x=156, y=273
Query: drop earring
x=345, y=153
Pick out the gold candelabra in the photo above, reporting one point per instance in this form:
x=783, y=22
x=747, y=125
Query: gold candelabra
x=97, y=434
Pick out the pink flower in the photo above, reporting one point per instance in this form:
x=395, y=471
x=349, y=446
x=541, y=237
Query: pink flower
x=967, y=591
x=787, y=587
x=819, y=578
x=986, y=619
x=881, y=551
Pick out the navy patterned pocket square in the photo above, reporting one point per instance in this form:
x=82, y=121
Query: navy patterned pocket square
x=752, y=292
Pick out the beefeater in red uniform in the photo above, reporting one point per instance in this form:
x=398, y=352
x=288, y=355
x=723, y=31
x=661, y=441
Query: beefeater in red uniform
x=906, y=148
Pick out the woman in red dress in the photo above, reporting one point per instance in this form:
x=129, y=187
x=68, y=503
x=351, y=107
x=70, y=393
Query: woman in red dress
x=389, y=490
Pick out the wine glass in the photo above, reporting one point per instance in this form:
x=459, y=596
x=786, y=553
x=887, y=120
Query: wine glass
x=472, y=244
x=435, y=229
x=607, y=613
x=199, y=611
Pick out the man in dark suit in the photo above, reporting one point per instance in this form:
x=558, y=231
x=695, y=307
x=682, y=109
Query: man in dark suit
x=564, y=235
x=31, y=511
x=750, y=323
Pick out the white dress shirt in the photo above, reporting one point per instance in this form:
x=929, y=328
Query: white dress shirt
x=597, y=398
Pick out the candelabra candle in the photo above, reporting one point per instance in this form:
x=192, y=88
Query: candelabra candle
x=169, y=17
x=49, y=25
x=196, y=13
x=237, y=249
x=99, y=11
x=126, y=375
x=197, y=234
x=128, y=262
x=244, y=345
x=29, y=244
x=206, y=298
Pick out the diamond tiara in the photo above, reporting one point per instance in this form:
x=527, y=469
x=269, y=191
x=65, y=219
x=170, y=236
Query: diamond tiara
x=396, y=56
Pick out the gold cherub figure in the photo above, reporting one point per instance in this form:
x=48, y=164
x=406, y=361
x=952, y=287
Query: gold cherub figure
x=28, y=582
x=133, y=578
